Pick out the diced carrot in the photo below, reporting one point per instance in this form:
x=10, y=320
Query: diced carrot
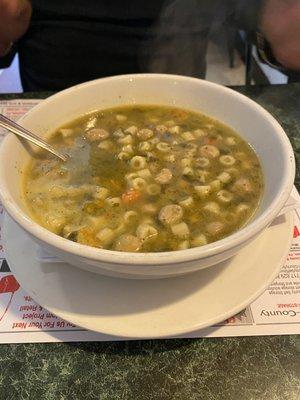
x=183, y=184
x=87, y=236
x=99, y=203
x=131, y=196
x=181, y=114
x=210, y=140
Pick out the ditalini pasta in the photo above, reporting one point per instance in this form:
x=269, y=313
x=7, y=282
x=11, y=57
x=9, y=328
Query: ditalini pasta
x=145, y=178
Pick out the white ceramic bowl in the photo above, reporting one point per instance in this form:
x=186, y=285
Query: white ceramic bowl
x=250, y=120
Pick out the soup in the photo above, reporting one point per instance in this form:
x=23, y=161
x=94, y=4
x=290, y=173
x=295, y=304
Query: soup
x=145, y=179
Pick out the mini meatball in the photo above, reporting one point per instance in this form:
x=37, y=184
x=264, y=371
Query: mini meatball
x=96, y=134
x=243, y=185
x=170, y=214
x=161, y=129
x=145, y=134
x=209, y=151
x=128, y=243
x=164, y=176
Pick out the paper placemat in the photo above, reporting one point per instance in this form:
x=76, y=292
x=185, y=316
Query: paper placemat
x=275, y=312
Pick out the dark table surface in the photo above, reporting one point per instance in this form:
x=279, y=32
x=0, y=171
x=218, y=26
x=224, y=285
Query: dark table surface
x=245, y=368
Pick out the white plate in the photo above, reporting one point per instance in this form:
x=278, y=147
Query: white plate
x=149, y=308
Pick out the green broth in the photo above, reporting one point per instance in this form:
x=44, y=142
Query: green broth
x=145, y=178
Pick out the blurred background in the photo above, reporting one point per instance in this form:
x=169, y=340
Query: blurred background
x=228, y=63
x=64, y=43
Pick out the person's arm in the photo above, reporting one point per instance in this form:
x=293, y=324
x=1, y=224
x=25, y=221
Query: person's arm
x=274, y=26
x=280, y=24
x=15, y=18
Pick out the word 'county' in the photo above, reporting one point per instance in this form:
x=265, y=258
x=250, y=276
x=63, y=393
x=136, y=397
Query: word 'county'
x=290, y=313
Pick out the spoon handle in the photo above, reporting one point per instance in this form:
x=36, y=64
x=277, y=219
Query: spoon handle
x=24, y=133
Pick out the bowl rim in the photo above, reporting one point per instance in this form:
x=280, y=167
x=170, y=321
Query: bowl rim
x=159, y=258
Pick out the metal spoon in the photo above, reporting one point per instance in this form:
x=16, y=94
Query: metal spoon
x=24, y=133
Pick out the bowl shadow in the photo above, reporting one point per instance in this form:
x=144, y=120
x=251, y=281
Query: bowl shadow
x=119, y=297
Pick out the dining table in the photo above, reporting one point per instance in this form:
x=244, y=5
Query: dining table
x=228, y=368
